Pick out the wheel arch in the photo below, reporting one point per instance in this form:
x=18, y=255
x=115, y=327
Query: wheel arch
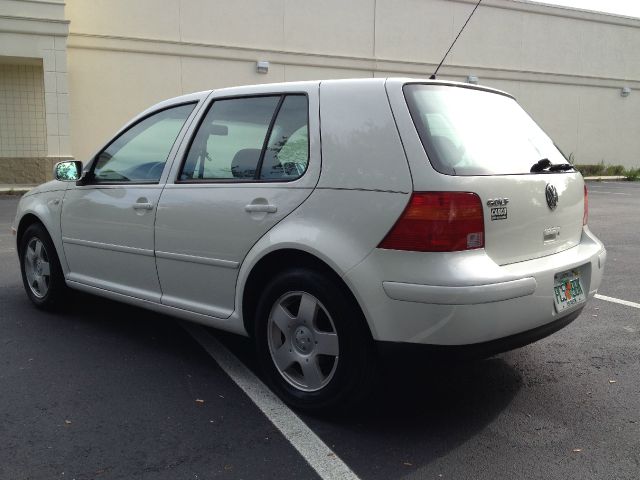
x=31, y=218
x=43, y=209
x=277, y=261
x=25, y=222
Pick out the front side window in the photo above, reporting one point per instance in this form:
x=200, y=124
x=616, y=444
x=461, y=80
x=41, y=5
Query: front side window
x=231, y=143
x=140, y=153
x=474, y=132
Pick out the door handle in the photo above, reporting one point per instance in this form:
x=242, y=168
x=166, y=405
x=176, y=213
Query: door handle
x=143, y=206
x=260, y=207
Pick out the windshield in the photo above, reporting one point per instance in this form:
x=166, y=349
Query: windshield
x=467, y=131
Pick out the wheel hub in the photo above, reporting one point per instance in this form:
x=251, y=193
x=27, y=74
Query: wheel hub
x=303, y=340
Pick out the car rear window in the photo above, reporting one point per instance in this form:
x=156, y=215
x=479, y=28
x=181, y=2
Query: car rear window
x=467, y=131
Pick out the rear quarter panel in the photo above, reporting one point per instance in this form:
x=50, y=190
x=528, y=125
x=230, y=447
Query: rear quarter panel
x=361, y=147
x=339, y=227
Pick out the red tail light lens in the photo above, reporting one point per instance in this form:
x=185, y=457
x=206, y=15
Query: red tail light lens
x=438, y=222
x=585, y=215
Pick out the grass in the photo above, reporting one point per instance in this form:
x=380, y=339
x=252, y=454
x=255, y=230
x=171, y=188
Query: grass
x=633, y=174
x=602, y=170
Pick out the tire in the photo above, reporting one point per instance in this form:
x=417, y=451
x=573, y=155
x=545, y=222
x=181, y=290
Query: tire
x=312, y=342
x=41, y=272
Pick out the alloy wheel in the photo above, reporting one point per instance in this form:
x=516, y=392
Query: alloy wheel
x=303, y=341
x=37, y=267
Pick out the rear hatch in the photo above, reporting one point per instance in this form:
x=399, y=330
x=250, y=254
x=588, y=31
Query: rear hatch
x=483, y=142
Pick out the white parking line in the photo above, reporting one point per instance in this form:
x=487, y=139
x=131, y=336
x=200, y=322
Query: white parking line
x=617, y=300
x=319, y=456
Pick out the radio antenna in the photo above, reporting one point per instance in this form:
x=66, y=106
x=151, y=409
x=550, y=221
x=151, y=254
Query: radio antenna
x=433, y=77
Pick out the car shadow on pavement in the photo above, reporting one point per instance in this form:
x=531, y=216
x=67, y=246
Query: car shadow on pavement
x=422, y=408
x=115, y=320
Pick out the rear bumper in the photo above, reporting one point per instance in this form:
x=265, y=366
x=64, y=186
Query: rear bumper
x=477, y=350
x=465, y=298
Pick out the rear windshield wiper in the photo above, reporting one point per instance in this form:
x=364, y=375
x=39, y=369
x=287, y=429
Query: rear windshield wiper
x=561, y=167
x=545, y=165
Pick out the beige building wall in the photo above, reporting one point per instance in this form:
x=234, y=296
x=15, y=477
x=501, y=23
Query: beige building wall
x=34, y=124
x=22, y=118
x=567, y=67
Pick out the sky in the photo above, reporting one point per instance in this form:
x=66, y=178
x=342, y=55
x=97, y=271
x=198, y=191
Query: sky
x=630, y=8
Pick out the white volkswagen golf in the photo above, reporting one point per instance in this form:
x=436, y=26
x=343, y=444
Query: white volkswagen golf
x=325, y=219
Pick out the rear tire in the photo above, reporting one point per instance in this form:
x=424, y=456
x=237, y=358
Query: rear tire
x=313, y=343
x=41, y=272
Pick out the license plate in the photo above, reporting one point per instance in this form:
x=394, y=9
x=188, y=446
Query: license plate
x=567, y=290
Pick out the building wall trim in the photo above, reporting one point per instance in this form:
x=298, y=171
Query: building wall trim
x=35, y=19
x=368, y=64
x=34, y=26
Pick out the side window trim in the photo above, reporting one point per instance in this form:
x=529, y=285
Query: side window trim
x=270, y=132
x=205, y=110
x=90, y=173
x=267, y=137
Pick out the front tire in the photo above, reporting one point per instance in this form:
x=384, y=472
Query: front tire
x=313, y=343
x=41, y=272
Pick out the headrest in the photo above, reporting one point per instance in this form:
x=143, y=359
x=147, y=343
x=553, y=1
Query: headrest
x=245, y=162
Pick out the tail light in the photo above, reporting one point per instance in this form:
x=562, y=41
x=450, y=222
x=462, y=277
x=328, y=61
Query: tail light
x=438, y=222
x=585, y=215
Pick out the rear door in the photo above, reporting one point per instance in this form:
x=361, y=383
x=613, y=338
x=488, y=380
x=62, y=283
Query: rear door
x=483, y=142
x=251, y=161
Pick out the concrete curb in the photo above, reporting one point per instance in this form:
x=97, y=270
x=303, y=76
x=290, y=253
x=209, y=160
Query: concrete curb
x=15, y=189
x=612, y=177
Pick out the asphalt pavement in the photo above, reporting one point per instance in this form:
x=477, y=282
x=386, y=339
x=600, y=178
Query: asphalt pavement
x=109, y=391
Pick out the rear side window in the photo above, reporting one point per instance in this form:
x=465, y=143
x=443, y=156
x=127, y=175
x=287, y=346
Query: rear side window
x=250, y=139
x=473, y=132
x=287, y=152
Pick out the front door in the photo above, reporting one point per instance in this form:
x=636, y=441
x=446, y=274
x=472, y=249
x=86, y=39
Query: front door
x=246, y=168
x=107, y=224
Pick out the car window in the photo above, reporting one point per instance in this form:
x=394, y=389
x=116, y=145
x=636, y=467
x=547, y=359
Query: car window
x=287, y=152
x=229, y=141
x=140, y=153
x=468, y=131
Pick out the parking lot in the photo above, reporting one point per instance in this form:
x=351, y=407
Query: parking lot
x=110, y=391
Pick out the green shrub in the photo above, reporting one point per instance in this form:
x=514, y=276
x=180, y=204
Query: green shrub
x=600, y=169
x=614, y=170
x=590, y=170
x=633, y=175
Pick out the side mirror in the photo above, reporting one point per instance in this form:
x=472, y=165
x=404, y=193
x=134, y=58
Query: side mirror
x=69, y=171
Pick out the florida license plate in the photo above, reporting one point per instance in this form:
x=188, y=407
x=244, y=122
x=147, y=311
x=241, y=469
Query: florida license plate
x=567, y=290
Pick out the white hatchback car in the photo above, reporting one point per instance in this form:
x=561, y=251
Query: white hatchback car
x=325, y=219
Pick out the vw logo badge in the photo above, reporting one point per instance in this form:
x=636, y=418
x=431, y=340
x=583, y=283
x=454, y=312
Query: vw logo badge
x=552, y=196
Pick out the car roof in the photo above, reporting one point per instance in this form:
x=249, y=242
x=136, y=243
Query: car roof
x=289, y=86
